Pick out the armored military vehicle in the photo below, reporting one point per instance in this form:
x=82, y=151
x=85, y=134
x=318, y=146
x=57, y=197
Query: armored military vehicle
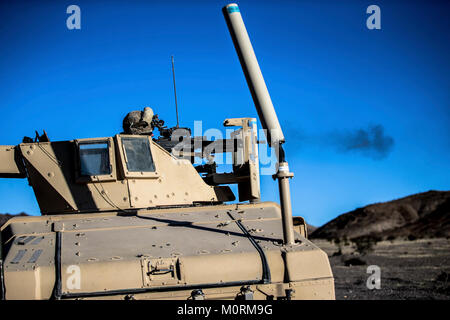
x=131, y=217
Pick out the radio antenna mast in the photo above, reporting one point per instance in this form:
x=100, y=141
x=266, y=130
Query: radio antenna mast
x=175, y=91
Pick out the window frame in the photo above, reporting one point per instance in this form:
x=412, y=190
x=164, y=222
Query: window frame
x=112, y=176
x=123, y=158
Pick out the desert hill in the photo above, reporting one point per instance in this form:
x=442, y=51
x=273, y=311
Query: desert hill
x=6, y=216
x=310, y=228
x=420, y=215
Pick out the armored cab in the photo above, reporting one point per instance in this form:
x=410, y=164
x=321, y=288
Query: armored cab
x=133, y=217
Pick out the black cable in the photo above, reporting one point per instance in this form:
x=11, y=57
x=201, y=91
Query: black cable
x=57, y=289
x=2, y=279
x=265, y=265
x=156, y=289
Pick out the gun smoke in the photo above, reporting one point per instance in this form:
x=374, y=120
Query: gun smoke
x=371, y=141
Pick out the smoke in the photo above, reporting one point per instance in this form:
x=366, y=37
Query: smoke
x=370, y=141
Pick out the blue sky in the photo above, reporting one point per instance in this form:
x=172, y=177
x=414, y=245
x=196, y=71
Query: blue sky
x=328, y=76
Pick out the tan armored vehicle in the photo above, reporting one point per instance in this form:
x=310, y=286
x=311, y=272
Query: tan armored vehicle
x=131, y=217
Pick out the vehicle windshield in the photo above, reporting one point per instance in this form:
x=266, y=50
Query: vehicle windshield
x=138, y=154
x=94, y=159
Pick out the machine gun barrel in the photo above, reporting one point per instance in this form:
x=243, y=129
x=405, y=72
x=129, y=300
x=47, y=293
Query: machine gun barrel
x=255, y=80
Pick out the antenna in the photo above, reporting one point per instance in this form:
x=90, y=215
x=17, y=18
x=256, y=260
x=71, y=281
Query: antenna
x=175, y=91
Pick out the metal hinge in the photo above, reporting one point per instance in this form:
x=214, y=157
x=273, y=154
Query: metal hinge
x=157, y=272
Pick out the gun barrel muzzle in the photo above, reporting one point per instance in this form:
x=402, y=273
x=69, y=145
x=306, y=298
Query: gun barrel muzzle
x=253, y=75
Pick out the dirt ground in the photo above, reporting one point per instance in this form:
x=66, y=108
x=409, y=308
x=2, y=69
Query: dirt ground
x=418, y=269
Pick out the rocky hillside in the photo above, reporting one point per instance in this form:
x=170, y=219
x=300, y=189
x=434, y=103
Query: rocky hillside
x=310, y=228
x=6, y=216
x=420, y=215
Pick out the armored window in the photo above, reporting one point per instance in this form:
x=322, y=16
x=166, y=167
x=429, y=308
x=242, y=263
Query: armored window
x=138, y=154
x=94, y=159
